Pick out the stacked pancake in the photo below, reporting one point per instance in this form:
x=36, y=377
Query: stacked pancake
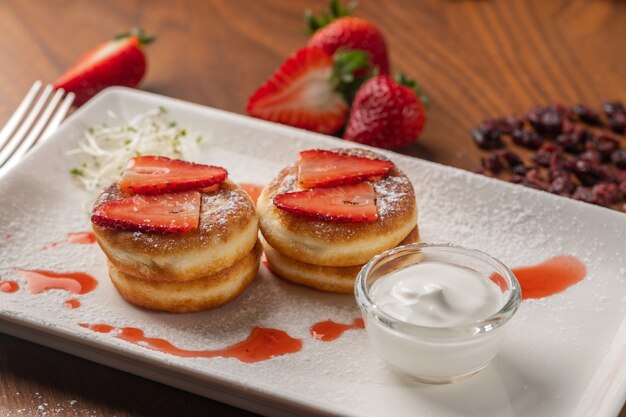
x=179, y=237
x=331, y=212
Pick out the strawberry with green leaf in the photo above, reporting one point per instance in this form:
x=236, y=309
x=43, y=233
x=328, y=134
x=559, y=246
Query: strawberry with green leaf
x=337, y=30
x=387, y=113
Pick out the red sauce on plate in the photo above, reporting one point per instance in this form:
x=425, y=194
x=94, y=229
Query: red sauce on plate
x=9, y=286
x=39, y=281
x=262, y=344
x=81, y=238
x=253, y=190
x=72, y=303
x=329, y=330
x=549, y=277
x=76, y=238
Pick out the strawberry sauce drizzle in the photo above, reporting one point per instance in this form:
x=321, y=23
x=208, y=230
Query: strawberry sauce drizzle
x=76, y=238
x=253, y=190
x=262, y=344
x=81, y=238
x=549, y=277
x=328, y=330
x=9, y=286
x=72, y=303
x=39, y=281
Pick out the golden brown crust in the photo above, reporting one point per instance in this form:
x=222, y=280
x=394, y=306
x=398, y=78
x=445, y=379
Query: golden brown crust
x=336, y=279
x=211, y=291
x=333, y=243
x=226, y=233
x=222, y=214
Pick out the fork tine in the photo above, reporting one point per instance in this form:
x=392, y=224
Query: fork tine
x=33, y=135
x=25, y=127
x=17, y=116
x=58, y=116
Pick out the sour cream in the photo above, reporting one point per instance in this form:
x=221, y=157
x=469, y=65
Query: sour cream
x=436, y=312
x=436, y=294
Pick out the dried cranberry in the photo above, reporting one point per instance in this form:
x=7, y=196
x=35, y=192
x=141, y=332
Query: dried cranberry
x=505, y=124
x=563, y=110
x=587, y=115
x=619, y=158
x=519, y=169
x=591, y=155
x=559, y=166
x=543, y=155
x=562, y=185
x=612, y=107
x=622, y=188
x=584, y=194
x=517, y=179
x=589, y=173
x=567, y=126
x=485, y=136
x=530, y=140
x=492, y=163
x=602, y=194
x=546, y=121
x=605, y=193
x=617, y=123
x=572, y=142
x=617, y=175
x=533, y=179
x=512, y=159
x=606, y=144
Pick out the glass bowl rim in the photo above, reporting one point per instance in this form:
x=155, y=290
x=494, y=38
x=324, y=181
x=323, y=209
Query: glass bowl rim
x=479, y=327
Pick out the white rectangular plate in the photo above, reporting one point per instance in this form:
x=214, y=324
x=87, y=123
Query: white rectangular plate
x=566, y=355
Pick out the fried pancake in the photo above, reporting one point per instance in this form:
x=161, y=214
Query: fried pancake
x=210, y=291
x=227, y=232
x=337, y=279
x=329, y=243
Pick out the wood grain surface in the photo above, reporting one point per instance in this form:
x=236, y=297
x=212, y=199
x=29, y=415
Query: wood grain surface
x=475, y=59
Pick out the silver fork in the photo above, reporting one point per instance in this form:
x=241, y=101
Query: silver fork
x=24, y=128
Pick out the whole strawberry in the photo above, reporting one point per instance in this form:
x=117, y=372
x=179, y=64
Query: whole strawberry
x=386, y=113
x=339, y=31
x=120, y=61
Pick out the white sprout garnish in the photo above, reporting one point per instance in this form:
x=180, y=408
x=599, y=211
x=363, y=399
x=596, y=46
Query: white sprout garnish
x=103, y=151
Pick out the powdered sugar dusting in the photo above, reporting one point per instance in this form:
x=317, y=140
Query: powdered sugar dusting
x=390, y=193
x=532, y=376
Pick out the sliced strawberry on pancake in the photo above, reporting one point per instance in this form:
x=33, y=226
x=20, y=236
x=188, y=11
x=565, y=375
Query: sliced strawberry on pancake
x=165, y=213
x=349, y=203
x=320, y=168
x=158, y=175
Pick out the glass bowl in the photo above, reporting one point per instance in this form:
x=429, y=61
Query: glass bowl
x=436, y=354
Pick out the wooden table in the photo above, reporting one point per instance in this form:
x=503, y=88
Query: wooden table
x=474, y=58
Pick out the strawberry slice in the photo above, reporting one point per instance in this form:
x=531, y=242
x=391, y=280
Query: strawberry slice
x=210, y=189
x=349, y=203
x=158, y=175
x=120, y=61
x=166, y=213
x=319, y=168
x=305, y=91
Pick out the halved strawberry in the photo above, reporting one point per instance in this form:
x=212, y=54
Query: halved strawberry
x=158, y=175
x=306, y=91
x=320, y=168
x=349, y=203
x=166, y=213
